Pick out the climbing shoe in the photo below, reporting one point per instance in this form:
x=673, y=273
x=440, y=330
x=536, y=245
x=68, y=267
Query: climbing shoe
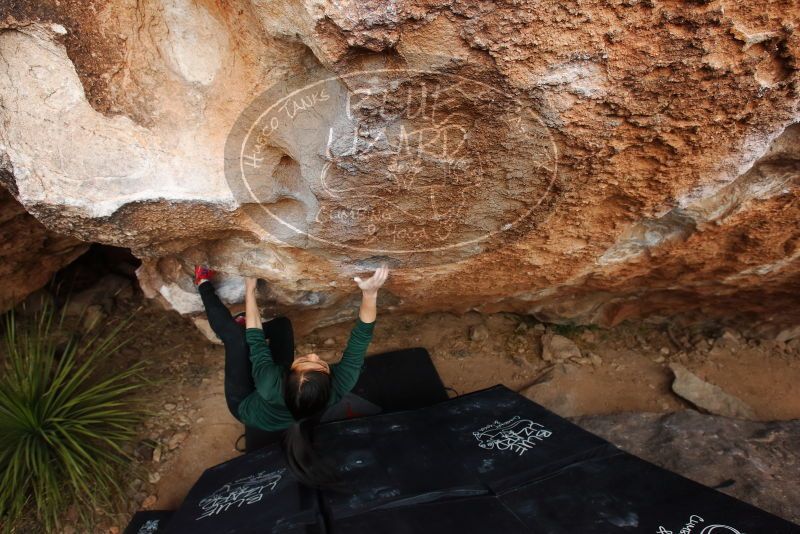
x=202, y=274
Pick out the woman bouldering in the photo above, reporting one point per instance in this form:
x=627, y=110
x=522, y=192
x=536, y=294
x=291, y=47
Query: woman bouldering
x=266, y=387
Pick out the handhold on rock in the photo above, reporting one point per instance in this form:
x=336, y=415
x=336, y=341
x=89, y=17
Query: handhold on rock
x=707, y=396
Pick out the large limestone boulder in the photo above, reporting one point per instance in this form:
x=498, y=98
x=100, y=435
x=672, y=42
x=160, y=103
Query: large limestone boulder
x=586, y=162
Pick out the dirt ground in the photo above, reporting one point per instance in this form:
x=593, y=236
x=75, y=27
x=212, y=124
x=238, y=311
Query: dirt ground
x=619, y=370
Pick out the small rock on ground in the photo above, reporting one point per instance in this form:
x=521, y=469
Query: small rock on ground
x=149, y=502
x=478, y=332
x=556, y=348
x=708, y=396
x=176, y=440
x=788, y=334
x=205, y=328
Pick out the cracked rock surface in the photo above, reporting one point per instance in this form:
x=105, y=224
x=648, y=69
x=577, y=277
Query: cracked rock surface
x=586, y=162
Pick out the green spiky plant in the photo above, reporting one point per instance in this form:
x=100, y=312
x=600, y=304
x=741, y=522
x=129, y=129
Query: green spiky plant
x=63, y=421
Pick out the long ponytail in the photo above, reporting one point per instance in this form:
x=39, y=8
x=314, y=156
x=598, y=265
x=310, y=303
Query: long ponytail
x=302, y=457
x=306, y=396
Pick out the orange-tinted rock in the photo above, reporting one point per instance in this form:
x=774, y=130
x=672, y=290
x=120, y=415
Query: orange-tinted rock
x=583, y=162
x=29, y=253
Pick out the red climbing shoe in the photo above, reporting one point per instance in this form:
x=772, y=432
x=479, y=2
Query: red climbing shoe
x=240, y=319
x=202, y=274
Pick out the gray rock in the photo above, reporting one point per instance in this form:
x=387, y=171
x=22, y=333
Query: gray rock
x=478, y=332
x=201, y=323
x=556, y=348
x=176, y=440
x=788, y=334
x=549, y=391
x=708, y=396
x=538, y=329
x=762, y=459
x=92, y=317
x=731, y=336
x=35, y=303
x=144, y=451
x=588, y=336
x=102, y=292
x=728, y=341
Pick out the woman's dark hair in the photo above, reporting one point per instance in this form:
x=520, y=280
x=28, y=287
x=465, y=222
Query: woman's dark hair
x=306, y=395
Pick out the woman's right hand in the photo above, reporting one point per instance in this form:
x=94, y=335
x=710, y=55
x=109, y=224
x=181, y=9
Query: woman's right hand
x=371, y=285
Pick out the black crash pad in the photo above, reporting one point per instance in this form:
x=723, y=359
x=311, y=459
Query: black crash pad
x=472, y=515
x=491, y=461
x=401, y=380
x=477, y=444
x=622, y=493
x=252, y=493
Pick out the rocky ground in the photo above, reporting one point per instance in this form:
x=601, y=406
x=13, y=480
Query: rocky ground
x=753, y=461
x=575, y=371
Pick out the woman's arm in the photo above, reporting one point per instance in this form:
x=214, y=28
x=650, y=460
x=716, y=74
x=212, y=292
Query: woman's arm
x=266, y=374
x=369, y=293
x=347, y=371
x=252, y=315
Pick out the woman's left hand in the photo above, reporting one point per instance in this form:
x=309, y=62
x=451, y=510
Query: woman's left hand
x=371, y=285
x=250, y=283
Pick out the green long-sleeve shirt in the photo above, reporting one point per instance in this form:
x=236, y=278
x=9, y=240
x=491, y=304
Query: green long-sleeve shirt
x=265, y=408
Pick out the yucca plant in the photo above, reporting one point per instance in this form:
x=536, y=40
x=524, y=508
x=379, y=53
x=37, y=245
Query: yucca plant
x=63, y=421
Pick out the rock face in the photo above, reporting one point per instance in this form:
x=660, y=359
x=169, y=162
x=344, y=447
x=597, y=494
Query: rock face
x=584, y=162
x=755, y=462
x=29, y=253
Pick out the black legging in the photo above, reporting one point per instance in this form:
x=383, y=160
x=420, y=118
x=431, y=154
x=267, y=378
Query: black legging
x=238, y=370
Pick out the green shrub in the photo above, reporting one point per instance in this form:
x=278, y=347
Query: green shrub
x=63, y=421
